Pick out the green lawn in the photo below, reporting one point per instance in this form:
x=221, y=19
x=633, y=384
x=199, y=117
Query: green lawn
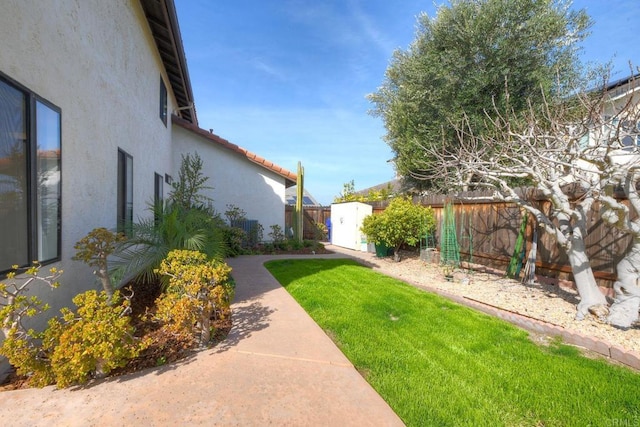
x=438, y=363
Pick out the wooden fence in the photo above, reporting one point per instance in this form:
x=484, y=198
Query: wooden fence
x=487, y=232
x=313, y=216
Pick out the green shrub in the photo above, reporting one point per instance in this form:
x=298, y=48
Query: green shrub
x=276, y=234
x=401, y=222
x=234, y=238
x=92, y=341
x=28, y=358
x=198, y=290
x=185, y=221
x=186, y=191
x=294, y=245
x=171, y=227
x=235, y=214
x=255, y=235
x=21, y=345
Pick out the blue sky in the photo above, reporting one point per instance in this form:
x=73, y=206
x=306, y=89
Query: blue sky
x=287, y=79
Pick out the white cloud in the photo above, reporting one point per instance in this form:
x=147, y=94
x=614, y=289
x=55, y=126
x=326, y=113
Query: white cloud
x=369, y=28
x=267, y=68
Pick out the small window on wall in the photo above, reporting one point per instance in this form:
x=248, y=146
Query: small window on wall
x=30, y=172
x=163, y=102
x=158, y=196
x=125, y=192
x=158, y=189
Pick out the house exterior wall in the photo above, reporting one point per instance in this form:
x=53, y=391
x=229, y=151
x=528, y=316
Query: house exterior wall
x=96, y=60
x=235, y=180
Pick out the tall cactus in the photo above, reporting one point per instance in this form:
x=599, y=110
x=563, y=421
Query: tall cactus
x=298, y=220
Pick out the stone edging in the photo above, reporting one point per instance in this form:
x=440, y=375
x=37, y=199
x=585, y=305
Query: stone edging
x=619, y=354
x=614, y=352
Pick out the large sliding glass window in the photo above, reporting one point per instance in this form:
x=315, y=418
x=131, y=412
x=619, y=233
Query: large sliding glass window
x=14, y=213
x=30, y=187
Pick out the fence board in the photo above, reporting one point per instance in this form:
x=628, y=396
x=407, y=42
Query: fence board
x=487, y=231
x=312, y=215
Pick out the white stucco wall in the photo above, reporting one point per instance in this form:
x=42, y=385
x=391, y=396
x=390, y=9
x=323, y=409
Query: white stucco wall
x=235, y=180
x=95, y=60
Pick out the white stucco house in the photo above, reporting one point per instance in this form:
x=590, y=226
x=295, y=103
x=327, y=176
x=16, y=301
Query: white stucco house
x=96, y=109
x=238, y=177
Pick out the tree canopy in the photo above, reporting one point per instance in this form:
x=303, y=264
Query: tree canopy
x=464, y=62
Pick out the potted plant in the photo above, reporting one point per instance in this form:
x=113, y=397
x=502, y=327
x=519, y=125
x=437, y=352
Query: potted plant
x=372, y=227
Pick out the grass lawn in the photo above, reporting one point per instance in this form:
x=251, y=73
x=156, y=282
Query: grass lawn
x=438, y=363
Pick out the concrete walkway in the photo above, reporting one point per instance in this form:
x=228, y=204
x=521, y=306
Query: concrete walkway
x=277, y=367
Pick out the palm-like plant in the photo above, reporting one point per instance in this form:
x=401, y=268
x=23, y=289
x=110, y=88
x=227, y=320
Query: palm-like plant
x=170, y=227
x=183, y=222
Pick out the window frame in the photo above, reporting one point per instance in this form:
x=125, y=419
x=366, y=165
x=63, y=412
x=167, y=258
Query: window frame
x=158, y=188
x=33, y=243
x=163, y=102
x=124, y=194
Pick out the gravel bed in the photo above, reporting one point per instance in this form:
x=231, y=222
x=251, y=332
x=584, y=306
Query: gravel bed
x=549, y=303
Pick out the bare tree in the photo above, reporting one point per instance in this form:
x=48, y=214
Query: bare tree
x=614, y=151
x=589, y=146
x=545, y=152
x=624, y=310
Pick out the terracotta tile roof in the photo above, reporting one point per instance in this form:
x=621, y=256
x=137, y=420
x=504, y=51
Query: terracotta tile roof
x=290, y=177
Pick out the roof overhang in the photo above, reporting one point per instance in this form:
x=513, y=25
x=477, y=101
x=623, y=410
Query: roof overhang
x=163, y=21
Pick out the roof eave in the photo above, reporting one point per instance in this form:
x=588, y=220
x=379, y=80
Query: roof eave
x=163, y=22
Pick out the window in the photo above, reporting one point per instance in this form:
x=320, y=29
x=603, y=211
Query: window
x=125, y=192
x=158, y=189
x=163, y=102
x=30, y=177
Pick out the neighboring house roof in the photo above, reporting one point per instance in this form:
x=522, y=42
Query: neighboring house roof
x=290, y=177
x=291, y=195
x=395, y=185
x=163, y=20
x=622, y=87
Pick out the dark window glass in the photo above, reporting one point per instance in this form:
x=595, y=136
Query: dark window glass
x=14, y=195
x=125, y=192
x=30, y=172
x=158, y=189
x=163, y=102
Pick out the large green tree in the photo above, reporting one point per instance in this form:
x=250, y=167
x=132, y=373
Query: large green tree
x=464, y=62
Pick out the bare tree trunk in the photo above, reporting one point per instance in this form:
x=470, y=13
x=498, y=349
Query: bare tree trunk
x=624, y=310
x=571, y=238
x=591, y=299
x=396, y=253
x=103, y=275
x=204, y=325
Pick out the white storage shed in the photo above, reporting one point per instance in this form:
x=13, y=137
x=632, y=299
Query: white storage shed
x=346, y=220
